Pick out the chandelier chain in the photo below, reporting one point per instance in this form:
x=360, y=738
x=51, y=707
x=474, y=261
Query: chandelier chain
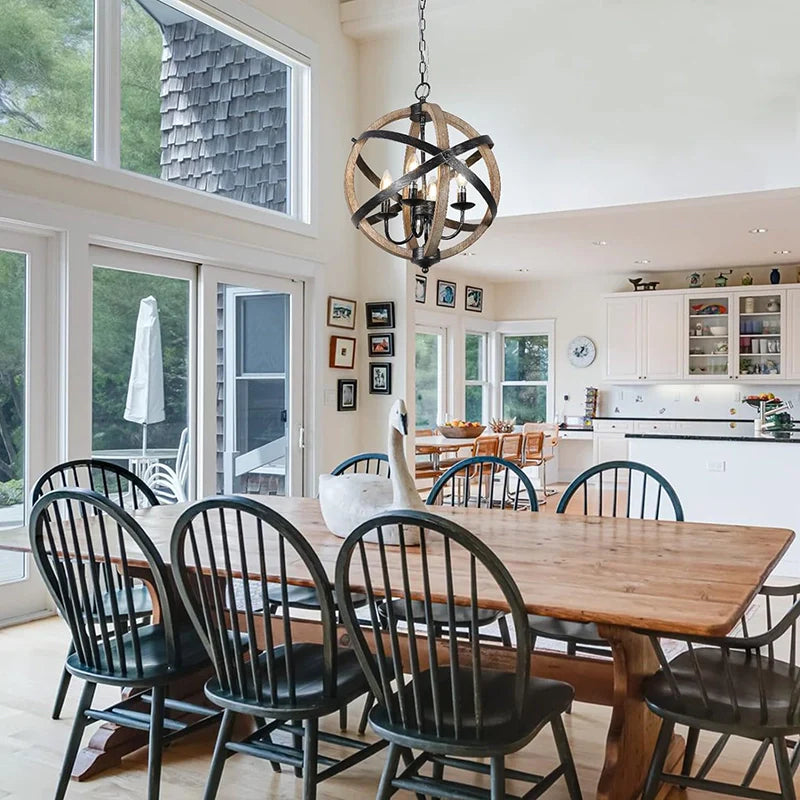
x=423, y=87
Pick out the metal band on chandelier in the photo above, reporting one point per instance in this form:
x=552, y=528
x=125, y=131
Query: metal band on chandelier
x=422, y=194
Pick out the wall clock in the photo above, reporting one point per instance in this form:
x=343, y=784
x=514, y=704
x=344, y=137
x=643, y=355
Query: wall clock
x=581, y=351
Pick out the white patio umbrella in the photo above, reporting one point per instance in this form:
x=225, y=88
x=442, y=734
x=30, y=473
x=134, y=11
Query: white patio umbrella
x=145, y=403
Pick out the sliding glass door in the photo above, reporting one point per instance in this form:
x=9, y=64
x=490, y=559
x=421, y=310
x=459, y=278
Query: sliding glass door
x=253, y=379
x=27, y=418
x=430, y=380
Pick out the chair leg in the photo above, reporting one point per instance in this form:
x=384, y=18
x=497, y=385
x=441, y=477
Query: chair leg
x=565, y=757
x=385, y=790
x=155, y=743
x=497, y=778
x=505, y=636
x=784, y=768
x=63, y=685
x=78, y=725
x=297, y=743
x=220, y=754
x=691, y=748
x=310, y=750
x=343, y=718
x=276, y=767
x=663, y=742
x=571, y=651
x=369, y=701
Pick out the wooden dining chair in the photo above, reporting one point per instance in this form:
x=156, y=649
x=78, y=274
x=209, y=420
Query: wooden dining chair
x=536, y=435
x=225, y=551
x=84, y=547
x=486, y=446
x=612, y=489
x=438, y=693
x=510, y=448
x=126, y=490
x=732, y=686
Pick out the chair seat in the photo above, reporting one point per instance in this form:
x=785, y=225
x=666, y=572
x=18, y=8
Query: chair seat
x=304, y=597
x=564, y=630
x=156, y=668
x=439, y=612
x=142, y=602
x=501, y=732
x=778, y=681
x=310, y=697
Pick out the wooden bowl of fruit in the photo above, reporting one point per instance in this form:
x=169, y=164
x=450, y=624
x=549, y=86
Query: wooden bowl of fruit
x=459, y=429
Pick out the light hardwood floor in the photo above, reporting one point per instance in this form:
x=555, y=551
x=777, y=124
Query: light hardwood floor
x=31, y=744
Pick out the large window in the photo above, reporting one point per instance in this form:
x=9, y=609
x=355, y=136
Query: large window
x=429, y=372
x=476, y=385
x=46, y=73
x=526, y=376
x=195, y=105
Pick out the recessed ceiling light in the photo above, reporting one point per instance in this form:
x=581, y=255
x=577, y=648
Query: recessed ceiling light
x=758, y=230
x=642, y=261
x=600, y=243
x=523, y=269
x=469, y=254
x=781, y=252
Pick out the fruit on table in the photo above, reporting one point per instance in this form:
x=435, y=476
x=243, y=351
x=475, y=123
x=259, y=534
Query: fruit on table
x=766, y=396
x=460, y=423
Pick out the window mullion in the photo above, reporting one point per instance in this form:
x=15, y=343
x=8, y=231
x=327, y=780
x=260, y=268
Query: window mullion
x=108, y=42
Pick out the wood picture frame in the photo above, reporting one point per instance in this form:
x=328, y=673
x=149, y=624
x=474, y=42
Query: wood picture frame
x=380, y=315
x=342, y=353
x=381, y=345
x=342, y=313
x=380, y=378
x=347, y=394
x=420, y=288
x=445, y=294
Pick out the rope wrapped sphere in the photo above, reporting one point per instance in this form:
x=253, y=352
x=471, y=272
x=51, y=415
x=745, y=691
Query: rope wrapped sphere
x=442, y=164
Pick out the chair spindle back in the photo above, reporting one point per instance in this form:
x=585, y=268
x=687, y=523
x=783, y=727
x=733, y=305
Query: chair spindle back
x=225, y=551
x=368, y=463
x=621, y=489
x=450, y=567
x=90, y=554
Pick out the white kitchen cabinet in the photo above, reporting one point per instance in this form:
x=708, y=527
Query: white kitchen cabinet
x=610, y=443
x=761, y=335
x=662, y=337
x=644, y=336
x=710, y=336
x=623, y=330
x=791, y=339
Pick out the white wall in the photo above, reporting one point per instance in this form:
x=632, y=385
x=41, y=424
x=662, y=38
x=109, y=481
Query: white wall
x=84, y=211
x=596, y=103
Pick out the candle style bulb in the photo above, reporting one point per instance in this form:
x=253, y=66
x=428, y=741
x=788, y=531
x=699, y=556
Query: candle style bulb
x=412, y=164
x=461, y=181
x=386, y=180
x=432, y=192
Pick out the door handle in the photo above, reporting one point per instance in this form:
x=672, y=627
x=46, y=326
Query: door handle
x=301, y=438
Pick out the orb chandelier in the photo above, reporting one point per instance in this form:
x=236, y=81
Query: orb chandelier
x=420, y=199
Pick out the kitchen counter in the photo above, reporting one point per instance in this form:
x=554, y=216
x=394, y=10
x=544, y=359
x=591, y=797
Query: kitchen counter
x=729, y=436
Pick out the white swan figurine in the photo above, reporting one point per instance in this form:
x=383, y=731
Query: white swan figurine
x=348, y=500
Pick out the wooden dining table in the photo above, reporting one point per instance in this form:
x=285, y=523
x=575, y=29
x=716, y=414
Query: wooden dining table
x=624, y=575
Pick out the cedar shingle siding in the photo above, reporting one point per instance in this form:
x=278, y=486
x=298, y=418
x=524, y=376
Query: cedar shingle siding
x=223, y=116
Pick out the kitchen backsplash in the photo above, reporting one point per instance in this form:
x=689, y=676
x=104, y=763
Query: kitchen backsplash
x=689, y=401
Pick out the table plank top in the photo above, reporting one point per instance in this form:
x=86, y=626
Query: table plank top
x=439, y=441
x=693, y=578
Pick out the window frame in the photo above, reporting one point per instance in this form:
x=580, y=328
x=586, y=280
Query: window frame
x=246, y=25
x=545, y=327
x=483, y=381
x=443, y=362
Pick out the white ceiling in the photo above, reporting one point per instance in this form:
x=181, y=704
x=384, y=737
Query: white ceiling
x=679, y=235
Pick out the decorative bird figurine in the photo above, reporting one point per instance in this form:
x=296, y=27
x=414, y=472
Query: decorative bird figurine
x=348, y=500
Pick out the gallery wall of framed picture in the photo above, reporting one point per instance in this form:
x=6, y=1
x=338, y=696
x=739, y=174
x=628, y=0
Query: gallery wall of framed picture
x=447, y=293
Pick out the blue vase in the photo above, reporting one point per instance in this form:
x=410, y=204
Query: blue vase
x=775, y=276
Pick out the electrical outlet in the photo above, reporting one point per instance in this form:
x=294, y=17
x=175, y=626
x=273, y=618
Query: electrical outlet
x=715, y=466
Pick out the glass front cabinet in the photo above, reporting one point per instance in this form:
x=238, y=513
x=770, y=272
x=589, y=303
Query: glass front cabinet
x=760, y=328
x=710, y=336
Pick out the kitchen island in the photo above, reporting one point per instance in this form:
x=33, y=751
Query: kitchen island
x=733, y=477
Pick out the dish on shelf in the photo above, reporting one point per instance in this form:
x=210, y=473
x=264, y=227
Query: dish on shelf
x=709, y=309
x=717, y=330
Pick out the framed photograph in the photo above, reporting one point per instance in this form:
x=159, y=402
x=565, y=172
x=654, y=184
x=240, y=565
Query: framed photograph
x=445, y=294
x=381, y=344
x=346, y=395
x=343, y=352
x=380, y=315
x=473, y=298
x=421, y=288
x=380, y=378
x=341, y=313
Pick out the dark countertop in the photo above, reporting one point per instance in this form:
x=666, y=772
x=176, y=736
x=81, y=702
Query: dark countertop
x=790, y=437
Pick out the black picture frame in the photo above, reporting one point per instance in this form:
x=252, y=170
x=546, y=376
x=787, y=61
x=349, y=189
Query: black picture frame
x=346, y=394
x=421, y=288
x=380, y=315
x=380, y=378
x=381, y=345
x=473, y=299
x=445, y=294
